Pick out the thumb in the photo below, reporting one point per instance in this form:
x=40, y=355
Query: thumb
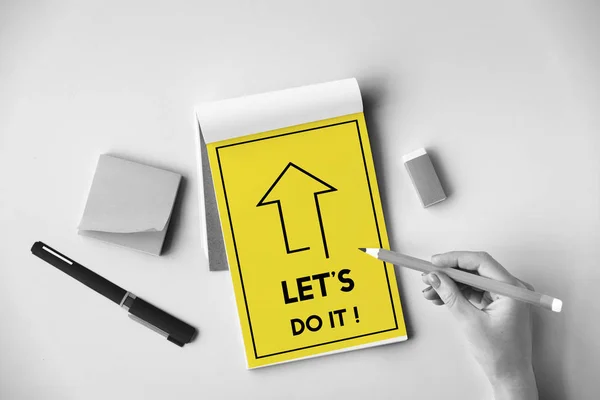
x=451, y=295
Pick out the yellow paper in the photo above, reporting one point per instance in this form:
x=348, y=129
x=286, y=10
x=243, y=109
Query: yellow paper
x=295, y=205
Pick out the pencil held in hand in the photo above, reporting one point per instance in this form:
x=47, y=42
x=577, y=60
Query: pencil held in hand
x=476, y=281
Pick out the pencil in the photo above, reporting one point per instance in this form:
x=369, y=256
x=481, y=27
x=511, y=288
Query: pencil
x=476, y=281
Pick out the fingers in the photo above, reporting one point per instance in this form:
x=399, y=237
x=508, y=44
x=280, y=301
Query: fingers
x=480, y=262
x=527, y=285
x=478, y=298
x=450, y=294
x=461, y=286
x=487, y=298
x=430, y=294
x=472, y=295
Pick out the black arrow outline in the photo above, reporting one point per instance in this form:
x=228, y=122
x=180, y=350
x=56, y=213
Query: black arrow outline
x=278, y=202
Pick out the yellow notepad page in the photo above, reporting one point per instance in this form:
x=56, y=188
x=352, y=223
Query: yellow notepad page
x=295, y=205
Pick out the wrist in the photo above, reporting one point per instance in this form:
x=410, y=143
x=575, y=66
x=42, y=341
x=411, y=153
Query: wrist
x=520, y=384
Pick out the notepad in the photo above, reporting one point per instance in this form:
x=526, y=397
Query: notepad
x=297, y=195
x=130, y=204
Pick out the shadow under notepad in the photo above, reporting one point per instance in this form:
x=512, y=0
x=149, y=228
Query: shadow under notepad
x=217, y=256
x=373, y=94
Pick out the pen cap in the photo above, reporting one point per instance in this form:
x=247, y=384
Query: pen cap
x=178, y=331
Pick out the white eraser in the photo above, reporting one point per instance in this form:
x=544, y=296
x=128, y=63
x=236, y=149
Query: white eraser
x=410, y=156
x=423, y=176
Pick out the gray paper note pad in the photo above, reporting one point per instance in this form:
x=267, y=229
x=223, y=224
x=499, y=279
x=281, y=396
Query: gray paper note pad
x=424, y=178
x=130, y=204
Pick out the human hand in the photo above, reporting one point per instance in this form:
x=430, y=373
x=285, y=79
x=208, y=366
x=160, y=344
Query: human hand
x=497, y=328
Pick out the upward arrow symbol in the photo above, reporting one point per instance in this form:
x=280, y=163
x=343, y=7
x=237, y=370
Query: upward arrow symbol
x=287, y=186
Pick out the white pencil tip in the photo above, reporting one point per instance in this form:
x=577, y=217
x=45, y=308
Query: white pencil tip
x=557, y=305
x=371, y=252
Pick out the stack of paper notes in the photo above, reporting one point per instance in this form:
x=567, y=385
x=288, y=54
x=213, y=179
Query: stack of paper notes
x=130, y=204
x=295, y=187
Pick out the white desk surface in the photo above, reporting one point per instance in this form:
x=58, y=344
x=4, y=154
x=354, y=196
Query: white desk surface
x=505, y=95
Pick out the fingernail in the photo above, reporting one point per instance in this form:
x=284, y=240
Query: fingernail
x=434, y=280
x=434, y=258
x=427, y=289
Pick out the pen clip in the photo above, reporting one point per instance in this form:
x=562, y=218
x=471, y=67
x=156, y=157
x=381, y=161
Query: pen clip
x=149, y=326
x=55, y=253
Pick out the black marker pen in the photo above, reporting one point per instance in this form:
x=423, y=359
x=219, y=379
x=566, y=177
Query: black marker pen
x=175, y=330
